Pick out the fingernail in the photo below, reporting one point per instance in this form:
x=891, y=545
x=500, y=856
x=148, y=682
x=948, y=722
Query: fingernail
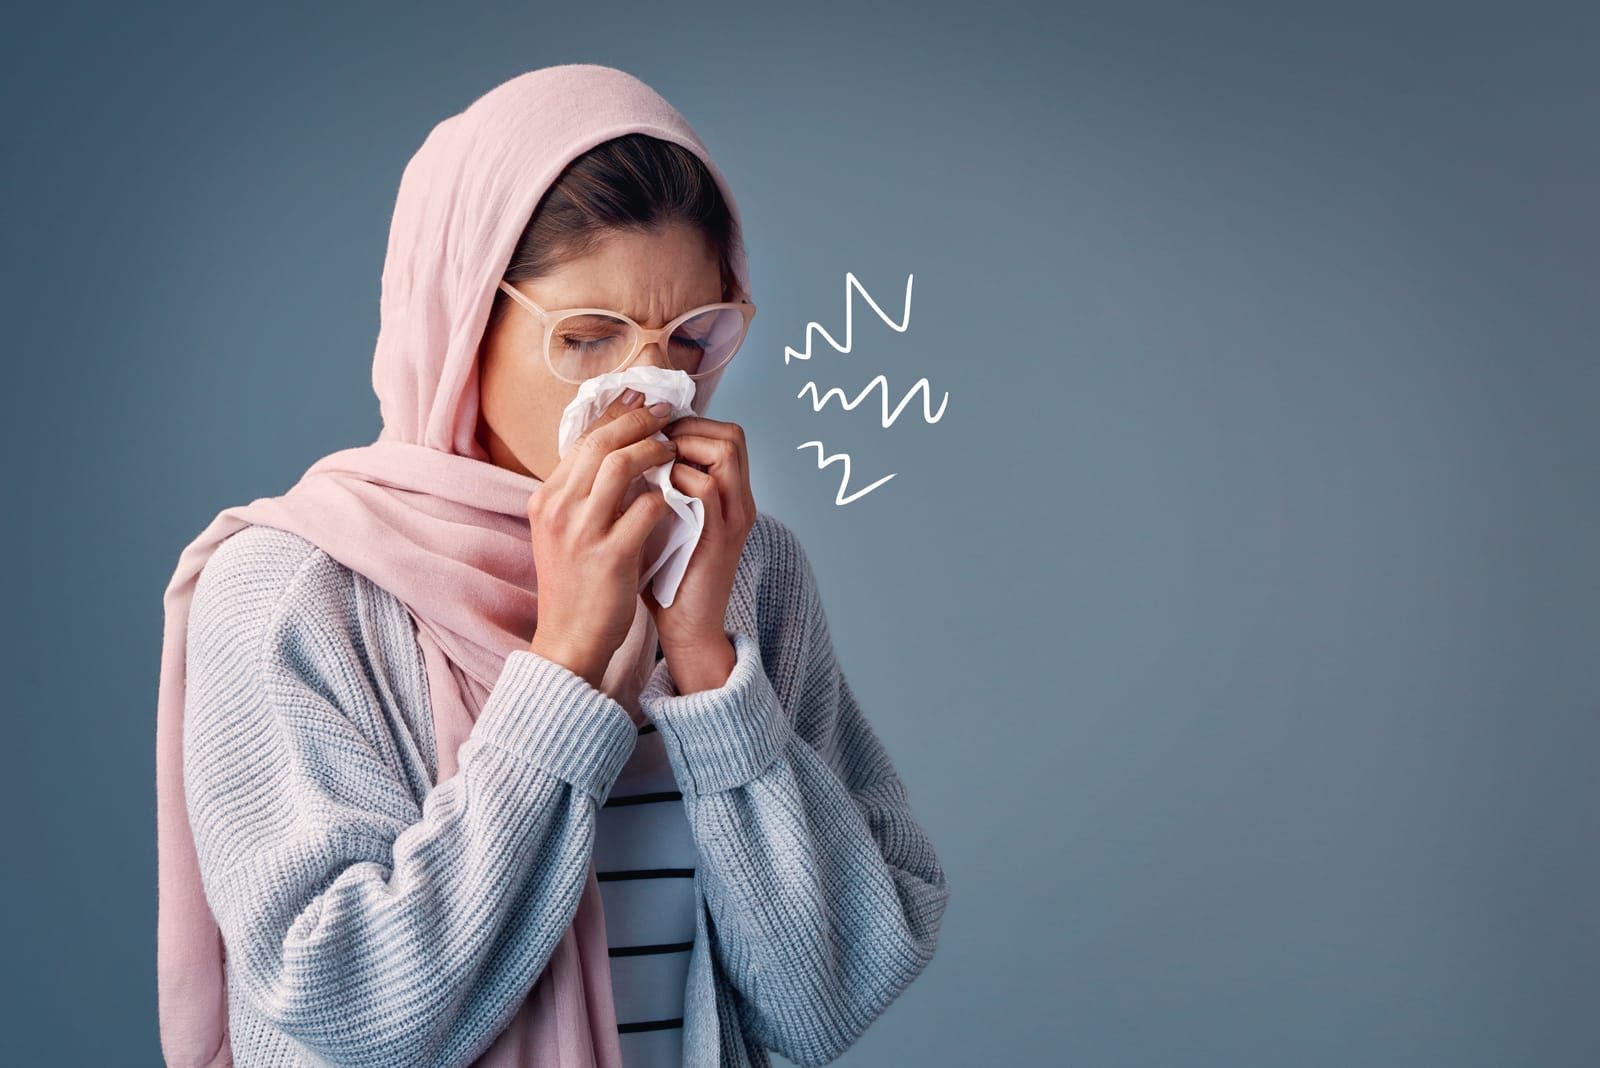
x=660, y=408
x=630, y=397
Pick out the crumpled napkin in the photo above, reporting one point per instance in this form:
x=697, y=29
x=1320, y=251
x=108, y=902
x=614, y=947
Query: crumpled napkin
x=670, y=544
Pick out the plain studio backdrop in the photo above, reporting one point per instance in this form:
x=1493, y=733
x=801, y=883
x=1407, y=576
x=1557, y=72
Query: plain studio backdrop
x=1235, y=627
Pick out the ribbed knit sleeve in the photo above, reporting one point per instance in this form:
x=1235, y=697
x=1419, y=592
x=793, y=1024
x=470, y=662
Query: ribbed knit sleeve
x=825, y=894
x=370, y=929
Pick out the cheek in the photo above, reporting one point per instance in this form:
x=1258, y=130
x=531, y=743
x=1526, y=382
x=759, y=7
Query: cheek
x=526, y=408
x=506, y=386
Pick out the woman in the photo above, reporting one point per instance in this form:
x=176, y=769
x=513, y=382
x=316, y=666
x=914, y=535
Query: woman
x=397, y=702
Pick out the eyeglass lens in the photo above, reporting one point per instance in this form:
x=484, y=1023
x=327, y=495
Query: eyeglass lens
x=589, y=344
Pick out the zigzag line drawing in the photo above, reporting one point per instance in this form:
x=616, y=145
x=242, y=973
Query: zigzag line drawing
x=888, y=417
x=850, y=283
x=823, y=460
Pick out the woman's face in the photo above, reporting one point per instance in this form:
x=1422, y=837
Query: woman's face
x=652, y=277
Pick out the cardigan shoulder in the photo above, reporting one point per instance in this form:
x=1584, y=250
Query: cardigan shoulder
x=260, y=575
x=243, y=585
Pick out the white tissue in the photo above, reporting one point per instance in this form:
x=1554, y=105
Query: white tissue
x=670, y=544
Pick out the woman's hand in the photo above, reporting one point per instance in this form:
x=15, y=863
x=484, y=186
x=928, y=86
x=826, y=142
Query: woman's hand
x=693, y=638
x=587, y=555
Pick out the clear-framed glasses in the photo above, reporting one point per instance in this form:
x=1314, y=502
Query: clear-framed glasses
x=581, y=343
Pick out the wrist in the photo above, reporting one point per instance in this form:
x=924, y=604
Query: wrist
x=580, y=662
x=705, y=664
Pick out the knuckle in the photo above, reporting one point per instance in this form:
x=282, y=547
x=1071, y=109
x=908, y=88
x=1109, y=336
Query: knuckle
x=540, y=512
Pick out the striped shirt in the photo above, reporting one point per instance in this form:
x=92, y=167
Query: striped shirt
x=644, y=859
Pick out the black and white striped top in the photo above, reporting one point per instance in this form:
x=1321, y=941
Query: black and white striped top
x=644, y=859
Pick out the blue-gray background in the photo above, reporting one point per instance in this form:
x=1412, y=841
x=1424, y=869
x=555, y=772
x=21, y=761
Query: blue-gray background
x=1234, y=630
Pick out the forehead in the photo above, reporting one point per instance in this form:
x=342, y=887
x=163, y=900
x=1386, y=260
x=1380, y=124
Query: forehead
x=651, y=276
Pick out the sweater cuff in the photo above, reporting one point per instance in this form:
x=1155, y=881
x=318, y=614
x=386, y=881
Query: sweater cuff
x=721, y=738
x=551, y=716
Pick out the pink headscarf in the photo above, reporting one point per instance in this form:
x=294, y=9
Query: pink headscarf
x=426, y=515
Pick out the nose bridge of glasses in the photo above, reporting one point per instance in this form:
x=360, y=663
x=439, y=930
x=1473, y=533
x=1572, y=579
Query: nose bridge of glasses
x=650, y=347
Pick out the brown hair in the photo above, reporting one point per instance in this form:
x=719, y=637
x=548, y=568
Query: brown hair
x=632, y=182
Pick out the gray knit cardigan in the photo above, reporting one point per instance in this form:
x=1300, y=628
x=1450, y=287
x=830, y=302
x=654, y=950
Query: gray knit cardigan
x=371, y=918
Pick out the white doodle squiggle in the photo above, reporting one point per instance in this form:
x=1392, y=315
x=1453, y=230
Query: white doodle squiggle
x=823, y=460
x=879, y=382
x=850, y=283
x=928, y=416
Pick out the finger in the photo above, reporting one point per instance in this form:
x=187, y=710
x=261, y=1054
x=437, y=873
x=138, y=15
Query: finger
x=618, y=470
x=705, y=450
x=730, y=433
x=726, y=463
x=602, y=438
x=702, y=485
x=621, y=404
x=717, y=456
x=711, y=428
x=639, y=519
x=628, y=398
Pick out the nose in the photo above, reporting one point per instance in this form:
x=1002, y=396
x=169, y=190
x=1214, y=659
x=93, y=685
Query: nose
x=654, y=354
